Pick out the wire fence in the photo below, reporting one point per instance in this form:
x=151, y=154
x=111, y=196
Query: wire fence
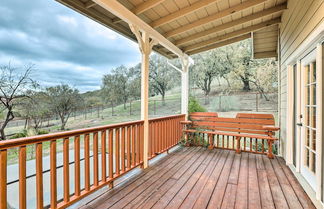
x=105, y=114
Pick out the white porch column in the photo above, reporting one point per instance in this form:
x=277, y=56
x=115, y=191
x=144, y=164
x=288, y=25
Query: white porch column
x=145, y=45
x=185, y=85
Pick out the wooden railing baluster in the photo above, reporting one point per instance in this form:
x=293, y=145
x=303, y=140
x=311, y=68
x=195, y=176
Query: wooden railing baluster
x=128, y=147
x=103, y=156
x=133, y=146
x=77, y=166
x=66, y=173
x=22, y=177
x=87, y=162
x=95, y=160
x=111, y=153
x=3, y=177
x=39, y=176
x=123, y=149
x=117, y=151
x=53, y=174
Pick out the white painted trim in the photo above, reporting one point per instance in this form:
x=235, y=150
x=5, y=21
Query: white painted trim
x=319, y=119
x=289, y=119
x=123, y=13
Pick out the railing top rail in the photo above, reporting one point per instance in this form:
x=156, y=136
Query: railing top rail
x=53, y=136
x=166, y=117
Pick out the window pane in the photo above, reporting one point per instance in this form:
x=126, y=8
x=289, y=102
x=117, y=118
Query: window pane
x=314, y=71
x=307, y=137
x=307, y=158
x=313, y=166
x=314, y=140
x=314, y=117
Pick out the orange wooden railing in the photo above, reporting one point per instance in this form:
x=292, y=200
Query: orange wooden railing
x=118, y=147
x=164, y=133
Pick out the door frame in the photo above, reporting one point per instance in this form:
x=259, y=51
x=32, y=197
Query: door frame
x=310, y=177
x=319, y=46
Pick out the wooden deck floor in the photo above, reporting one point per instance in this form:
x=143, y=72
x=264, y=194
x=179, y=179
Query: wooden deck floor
x=200, y=178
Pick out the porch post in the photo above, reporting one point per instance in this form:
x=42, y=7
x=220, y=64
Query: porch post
x=145, y=45
x=184, y=85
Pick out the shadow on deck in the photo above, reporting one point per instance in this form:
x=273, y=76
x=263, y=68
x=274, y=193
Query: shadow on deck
x=196, y=177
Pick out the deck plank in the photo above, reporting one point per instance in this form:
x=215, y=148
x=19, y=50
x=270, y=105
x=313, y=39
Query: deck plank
x=288, y=191
x=167, y=197
x=229, y=198
x=254, y=190
x=301, y=194
x=242, y=187
x=277, y=193
x=194, y=193
x=195, y=177
x=182, y=194
x=146, y=186
x=219, y=191
x=114, y=195
x=207, y=191
x=145, y=192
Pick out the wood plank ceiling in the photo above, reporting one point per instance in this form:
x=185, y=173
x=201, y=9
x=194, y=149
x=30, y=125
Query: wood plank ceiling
x=197, y=25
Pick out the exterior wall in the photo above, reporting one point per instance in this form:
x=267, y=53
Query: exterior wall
x=298, y=21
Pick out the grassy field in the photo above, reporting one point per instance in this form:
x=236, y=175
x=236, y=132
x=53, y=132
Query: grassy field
x=226, y=106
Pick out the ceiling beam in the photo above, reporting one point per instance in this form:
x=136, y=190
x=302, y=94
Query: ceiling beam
x=234, y=23
x=126, y=15
x=184, y=11
x=214, y=17
x=232, y=35
x=146, y=6
x=220, y=44
x=89, y=4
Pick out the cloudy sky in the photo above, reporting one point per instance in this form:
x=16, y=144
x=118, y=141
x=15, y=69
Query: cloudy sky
x=64, y=46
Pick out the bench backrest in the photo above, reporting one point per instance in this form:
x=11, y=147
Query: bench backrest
x=243, y=123
x=199, y=117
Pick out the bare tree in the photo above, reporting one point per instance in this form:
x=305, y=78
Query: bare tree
x=14, y=87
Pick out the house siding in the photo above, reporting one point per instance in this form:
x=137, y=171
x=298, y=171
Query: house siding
x=298, y=21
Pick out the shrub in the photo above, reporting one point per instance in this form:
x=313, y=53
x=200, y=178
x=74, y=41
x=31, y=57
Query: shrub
x=194, y=106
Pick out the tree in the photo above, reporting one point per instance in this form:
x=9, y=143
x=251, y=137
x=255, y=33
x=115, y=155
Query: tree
x=14, y=86
x=115, y=86
x=35, y=109
x=203, y=73
x=63, y=99
x=160, y=75
x=239, y=57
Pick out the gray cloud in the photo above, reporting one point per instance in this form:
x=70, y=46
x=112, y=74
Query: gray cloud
x=63, y=45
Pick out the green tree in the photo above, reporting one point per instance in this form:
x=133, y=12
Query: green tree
x=62, y=100
x=161, y=76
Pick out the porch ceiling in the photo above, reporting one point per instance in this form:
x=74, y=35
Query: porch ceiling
x=192, y=25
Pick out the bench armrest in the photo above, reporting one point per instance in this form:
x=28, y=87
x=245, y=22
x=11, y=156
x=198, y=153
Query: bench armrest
x=271, y=128
x=187, y=122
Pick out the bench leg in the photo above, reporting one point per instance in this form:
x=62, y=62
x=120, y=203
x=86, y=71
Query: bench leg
x=238, y=145
x=270, y=154
x=210, y=139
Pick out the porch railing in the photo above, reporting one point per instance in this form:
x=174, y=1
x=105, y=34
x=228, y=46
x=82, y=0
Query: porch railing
x=113, y=151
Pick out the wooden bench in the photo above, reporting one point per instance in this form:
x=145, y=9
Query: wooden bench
x=195, y=121
x=246, y=129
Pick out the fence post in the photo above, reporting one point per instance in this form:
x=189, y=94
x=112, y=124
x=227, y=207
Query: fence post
x=257, y=102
